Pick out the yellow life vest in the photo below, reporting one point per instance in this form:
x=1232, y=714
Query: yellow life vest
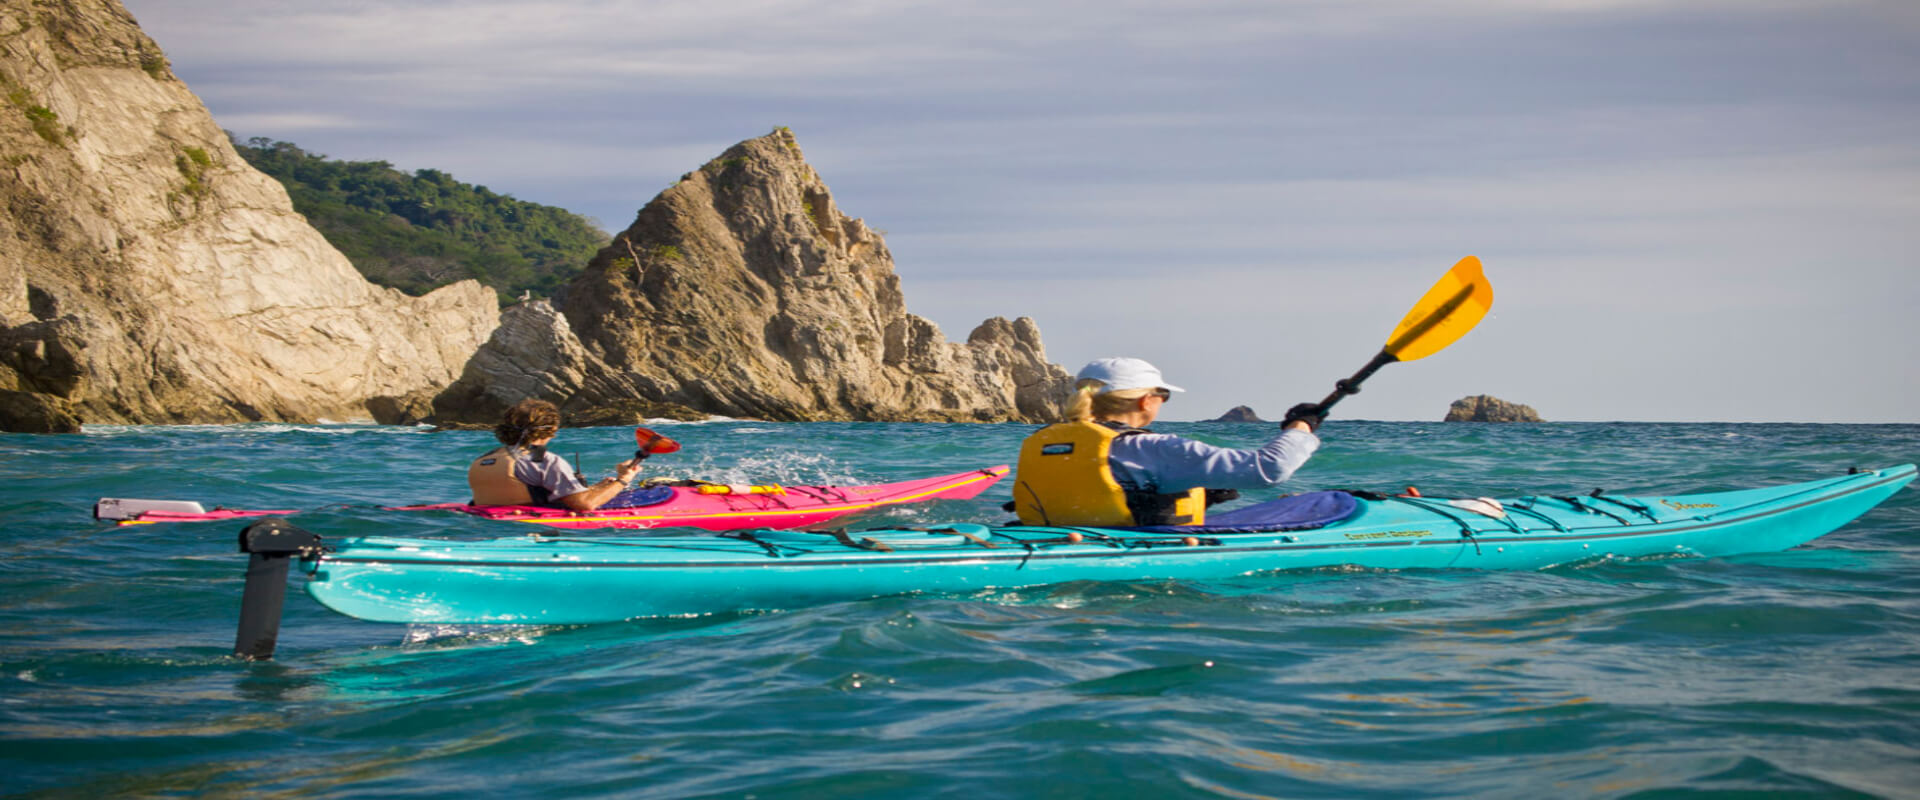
x=491, y=479
x=1063, y=478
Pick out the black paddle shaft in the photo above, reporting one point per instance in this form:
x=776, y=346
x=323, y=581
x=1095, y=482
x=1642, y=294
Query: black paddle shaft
x=1351, y=385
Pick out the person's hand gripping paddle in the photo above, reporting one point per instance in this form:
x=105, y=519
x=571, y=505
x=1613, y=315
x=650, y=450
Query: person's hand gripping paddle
x=1448, y=310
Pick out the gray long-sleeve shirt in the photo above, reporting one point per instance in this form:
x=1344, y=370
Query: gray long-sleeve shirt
x=548, y=479
x=1168, y=464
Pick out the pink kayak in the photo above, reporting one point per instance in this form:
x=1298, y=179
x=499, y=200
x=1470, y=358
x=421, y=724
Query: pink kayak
x=676, y=506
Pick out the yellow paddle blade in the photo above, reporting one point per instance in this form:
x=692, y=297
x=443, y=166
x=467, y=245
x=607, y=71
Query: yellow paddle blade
x=1449, y=309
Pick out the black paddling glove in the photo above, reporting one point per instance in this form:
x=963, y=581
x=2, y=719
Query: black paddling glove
x=1310, y=413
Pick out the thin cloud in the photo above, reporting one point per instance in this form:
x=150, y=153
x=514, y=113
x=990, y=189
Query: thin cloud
x=1707, y=178
x=289, y=123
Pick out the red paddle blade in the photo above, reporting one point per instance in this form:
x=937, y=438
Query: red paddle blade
x=653, y=443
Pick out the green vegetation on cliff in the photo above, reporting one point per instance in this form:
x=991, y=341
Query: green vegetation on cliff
x=425, y=230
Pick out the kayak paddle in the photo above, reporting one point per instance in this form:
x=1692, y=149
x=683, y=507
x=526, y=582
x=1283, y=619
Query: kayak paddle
x=652, y=444
x=1447, y=311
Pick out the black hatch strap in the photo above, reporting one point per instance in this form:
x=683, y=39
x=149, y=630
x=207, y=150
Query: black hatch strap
x=771, y=548
x=1525, y=505
x=1600, y=494
x=1438, y=508
x=1094, y=536
x=1428, y=502
x=1028, y=557
x=1581, y=506
x=1467, y=531
x=1174, y=541
x=824, y=494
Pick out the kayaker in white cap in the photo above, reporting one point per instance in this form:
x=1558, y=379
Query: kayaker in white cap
x=1102, y=467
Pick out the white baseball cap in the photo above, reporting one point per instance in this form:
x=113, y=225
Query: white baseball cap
x=1121, y=374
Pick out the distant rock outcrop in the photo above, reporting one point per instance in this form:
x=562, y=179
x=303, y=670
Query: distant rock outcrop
x=148, y=275
x=1239, y=414
x=743, y=291
x=1486, y=408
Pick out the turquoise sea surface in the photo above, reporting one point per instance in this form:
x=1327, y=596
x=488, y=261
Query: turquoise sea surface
x=1791, y=674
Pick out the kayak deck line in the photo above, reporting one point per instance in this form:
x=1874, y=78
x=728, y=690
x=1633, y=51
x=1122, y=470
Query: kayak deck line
x=582, y=579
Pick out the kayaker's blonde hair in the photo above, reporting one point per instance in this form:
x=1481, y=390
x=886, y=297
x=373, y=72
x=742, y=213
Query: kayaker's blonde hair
x=530, y=420
x=1088, y=401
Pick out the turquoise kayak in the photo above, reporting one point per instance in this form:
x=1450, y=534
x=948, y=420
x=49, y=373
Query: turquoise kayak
x=545, y=579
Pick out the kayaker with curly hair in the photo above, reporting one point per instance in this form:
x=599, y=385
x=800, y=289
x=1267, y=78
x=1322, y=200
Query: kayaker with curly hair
x=520, y=472
x=1103, y=467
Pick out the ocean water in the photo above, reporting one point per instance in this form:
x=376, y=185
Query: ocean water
x=1793, y=674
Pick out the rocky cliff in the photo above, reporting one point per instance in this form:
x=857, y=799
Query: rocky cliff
x=1486, y=408
x=744, y=291
x=148, y=275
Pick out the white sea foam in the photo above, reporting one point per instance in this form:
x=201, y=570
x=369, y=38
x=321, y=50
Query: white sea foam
x=778, y=466
x=246, y=427
x=471, y=635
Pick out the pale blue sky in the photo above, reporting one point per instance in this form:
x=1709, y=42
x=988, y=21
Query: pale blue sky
x=1701, y=211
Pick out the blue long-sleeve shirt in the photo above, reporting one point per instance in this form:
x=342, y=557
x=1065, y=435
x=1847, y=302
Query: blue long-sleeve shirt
x=1169, y=464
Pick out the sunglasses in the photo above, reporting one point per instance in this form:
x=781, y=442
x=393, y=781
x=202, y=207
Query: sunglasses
x=1163, y=394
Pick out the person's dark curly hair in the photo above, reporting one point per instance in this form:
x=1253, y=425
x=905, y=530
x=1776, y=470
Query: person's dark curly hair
x=530, y=420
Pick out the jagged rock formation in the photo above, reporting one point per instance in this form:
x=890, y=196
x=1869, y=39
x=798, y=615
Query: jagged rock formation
x=1239, y=414
x=1486, y=408
x=148, y=275
x=535, y=354
x=743, y=291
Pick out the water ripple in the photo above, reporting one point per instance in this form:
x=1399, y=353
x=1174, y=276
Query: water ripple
x=1771, y=674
